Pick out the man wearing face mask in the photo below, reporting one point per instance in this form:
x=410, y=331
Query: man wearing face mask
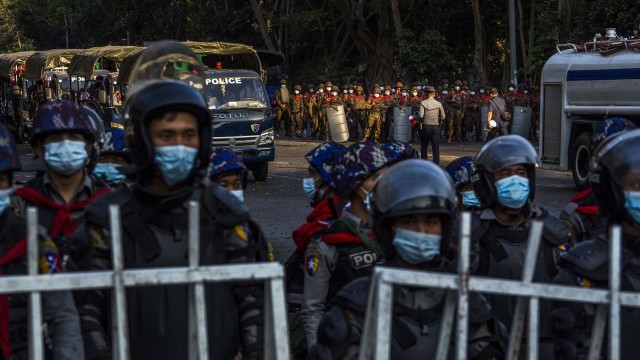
x=413, y=223
x=112, y=155
x=359, y=110
x=504, y=182
x=615, y=180
x=472, y=115
x=59, y=311
x=333, y=100
x=323, y=93
x=296, y=108
x=376, y=108
x=460, y=171
x=310, y=118
x=282, y=108
x=456, y=102
x=169, y=135
x=330, y=257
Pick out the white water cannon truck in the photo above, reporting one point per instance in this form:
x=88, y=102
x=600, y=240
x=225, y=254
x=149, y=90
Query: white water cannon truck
x=582, y=85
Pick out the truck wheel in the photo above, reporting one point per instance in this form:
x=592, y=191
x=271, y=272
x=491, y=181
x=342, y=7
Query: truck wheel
x=580, y=157
x=260, y=171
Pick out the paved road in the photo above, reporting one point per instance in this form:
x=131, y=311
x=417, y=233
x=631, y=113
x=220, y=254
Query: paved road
x=279, y=204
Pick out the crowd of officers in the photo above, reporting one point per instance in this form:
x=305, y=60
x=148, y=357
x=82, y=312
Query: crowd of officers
x=373, y=205
x=303, y=113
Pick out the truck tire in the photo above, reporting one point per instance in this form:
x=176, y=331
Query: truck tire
x=260, y=171
x=580, y=156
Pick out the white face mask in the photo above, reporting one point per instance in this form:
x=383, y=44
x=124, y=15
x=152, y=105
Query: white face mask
x=328, y=88
x=387, y=92
x=472, y=93
x=310, y=90
x=344, y=91
x=350, y=91
x=297, y=92
x=419, y=87
x=376, y=95
x=334, y=93
x=320, y=90
x=381, y=88
x=481, y=91
x=283, y=86
x=404, y=94
x=393, y=90
x=511, y=89
x=457, y=88
x=415, y=93
x=445, y=92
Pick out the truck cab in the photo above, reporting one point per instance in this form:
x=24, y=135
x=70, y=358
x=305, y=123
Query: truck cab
x=242, y=117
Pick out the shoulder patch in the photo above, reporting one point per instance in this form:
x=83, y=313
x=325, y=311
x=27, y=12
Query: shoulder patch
x=312, y=260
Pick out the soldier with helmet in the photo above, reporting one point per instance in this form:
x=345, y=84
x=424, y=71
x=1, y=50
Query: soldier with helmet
x=324, y=91
x=376, y=107
x=319, y=113
x=169, y=136
x=359, y=110
x=504, y=182
x=59, y=310
x=282, y=108
x=413, y=224
x=472, y=115
x=332, y=100
x=296, y=110
x=457, y=104
x=310, y=116
x=614, y=178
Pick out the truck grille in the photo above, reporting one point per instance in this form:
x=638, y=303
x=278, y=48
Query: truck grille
x=234, y=141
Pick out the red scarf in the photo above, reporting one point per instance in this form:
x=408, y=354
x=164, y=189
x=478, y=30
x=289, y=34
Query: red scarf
x=318, y=219
x=5, y=347
x=584, y=209
x=62, y=224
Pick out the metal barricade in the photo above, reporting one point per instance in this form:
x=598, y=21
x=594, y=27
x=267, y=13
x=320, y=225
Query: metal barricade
x=375, y=343
x=118, y=280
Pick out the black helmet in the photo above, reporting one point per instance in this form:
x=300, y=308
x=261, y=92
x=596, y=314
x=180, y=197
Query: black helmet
x=412, y=186
x=496, y=154
x=148, y=102
x=612, y=160
x=9, y=157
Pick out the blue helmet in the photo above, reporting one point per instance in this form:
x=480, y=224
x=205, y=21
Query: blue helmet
x=224, y=162
x=114, y=139
x=609, y=127
x=460, y=170
x=323, y=159
x=60, y=115
x=399, y=151
x=9, y=157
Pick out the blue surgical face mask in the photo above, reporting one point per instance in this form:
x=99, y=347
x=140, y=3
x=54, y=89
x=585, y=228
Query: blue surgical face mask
x=632, y=205
x=109, y=173
x=239, y=194
x=416, y=247
x=5, y=199
x=469, y=199
x=513, y=192
x=175, y=162
x=309, y=187
x=65, y=157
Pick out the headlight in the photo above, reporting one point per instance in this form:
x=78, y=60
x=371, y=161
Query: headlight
x=266, y=137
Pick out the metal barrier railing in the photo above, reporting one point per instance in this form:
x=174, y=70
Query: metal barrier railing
x=272, y=274
x=375, y=343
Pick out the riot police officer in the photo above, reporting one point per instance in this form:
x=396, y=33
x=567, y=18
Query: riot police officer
x=413, y=223
x=615, y=181
x=59, y=310
x=169, y=136
x=504, y=182
x=113, y=154
x=460, y=171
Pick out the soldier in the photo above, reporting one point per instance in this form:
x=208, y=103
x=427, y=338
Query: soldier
x=461, y=170
x=58, y=308
x=309, y=111
x=376, y=107
x=414, y=101
x=323, y=93
x=318, y=111
x=504, y=182
x=510, y=99
x=456, y=101
x=282, y=104
x=347, y=94
x=522, y=96
x=359, y=110
x=614, y=179
x=328, y=267
x=389, y=100
x=472, y=115
x=296, y=109
x=413, y=223
x=441, y=96
x=332, y=101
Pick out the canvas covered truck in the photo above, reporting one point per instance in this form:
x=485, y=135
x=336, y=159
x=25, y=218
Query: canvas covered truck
x=582, y=85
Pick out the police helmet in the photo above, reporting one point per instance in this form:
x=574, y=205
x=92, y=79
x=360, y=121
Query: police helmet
x=168, y=60
x=609, y=127
x=60, y=115
x=612, y=161
x=114, y=141
x=150, y=101
x=356, y=164
x=460, y=170
x=323, y=159
x=408, y=188
x=9, y=156
x=496, y=154
x=225, y=162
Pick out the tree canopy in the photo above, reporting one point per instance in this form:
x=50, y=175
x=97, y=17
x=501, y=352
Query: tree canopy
x=336, y=40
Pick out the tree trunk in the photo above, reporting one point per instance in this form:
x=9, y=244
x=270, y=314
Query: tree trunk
x=523, y=44
x=397, y=20
x=532, y=29
x=263, y=25
x=478, y=55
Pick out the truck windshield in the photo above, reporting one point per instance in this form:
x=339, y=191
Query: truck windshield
x=235, y=92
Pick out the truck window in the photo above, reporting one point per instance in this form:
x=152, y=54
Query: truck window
x=232, y=92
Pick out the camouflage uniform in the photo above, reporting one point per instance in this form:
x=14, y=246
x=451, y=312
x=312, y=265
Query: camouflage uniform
x=472, y=115
x=322, y=115
x=282, y=112
x=359, y=110
x=296, y=108
x=309, y=110
x=331, y=101
x=376, y=108
x=317, y=110
x=456, y=101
